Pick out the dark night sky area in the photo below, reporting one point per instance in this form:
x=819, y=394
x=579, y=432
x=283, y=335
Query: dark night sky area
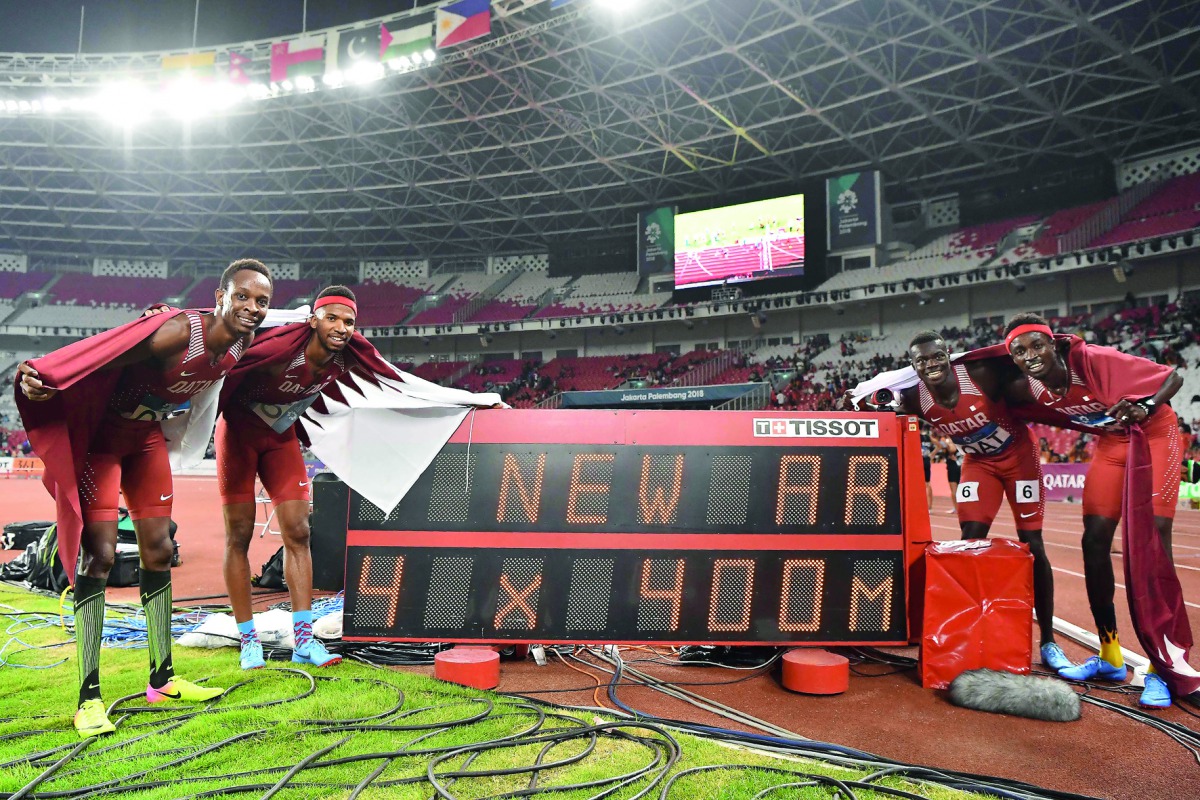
x=121, y=26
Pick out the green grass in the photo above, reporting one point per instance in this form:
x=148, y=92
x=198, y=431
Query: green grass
x=283, y=718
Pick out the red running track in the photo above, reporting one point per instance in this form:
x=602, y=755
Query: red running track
x=1102, y=755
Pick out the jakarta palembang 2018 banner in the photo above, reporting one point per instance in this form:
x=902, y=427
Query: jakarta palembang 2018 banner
x=853, y=203
x=656, y=240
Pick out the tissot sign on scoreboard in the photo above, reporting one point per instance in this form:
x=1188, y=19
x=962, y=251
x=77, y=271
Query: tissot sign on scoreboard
x=643, y=526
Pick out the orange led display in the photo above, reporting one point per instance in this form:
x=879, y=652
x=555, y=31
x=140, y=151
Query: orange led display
x=662, y=507
x=583, y=492
x=861, y=487
x=799, y=476
x=882, y=593
x=518, y=601
x=529, y=494
x=721, y=603
x=673, y=594
x=389, y=592
x=802, y=576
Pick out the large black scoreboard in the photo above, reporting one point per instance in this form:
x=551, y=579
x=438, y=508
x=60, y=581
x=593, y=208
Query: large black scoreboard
x=646, y=526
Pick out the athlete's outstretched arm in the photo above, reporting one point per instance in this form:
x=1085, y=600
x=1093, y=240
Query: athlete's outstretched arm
x=1136, y=411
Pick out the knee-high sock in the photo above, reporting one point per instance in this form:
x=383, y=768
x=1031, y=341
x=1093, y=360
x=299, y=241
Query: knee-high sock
x=89, y=628
x=156, y=600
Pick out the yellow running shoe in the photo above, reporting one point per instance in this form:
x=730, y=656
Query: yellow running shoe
x=179, y=689
x=92, y=720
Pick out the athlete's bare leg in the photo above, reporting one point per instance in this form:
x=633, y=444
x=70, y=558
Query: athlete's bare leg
x=239, y=530
x=297, y=558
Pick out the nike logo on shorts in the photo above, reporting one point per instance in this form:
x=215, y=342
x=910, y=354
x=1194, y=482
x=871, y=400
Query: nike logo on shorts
x=186, y=374
x=162, y=497
x=1030, y=514
x=304, y=483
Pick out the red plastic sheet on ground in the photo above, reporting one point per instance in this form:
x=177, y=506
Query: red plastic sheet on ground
x=978, y=609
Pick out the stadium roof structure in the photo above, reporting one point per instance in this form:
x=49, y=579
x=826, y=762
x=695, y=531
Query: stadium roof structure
x=565, y=122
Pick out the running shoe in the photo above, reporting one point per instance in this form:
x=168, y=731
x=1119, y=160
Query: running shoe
x=1156, y=694
x=92, y=720
x=179, y=689
x=1094, y=667
x=1054, y=658
x=252, y=655
x=313, y=652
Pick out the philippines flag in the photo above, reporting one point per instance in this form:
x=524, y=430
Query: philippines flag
x=463, y=21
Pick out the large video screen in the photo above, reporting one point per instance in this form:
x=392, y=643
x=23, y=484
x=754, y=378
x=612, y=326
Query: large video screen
x=746, y=242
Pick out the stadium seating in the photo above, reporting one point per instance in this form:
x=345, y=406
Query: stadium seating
x=15, y=284
x=111, y=290
x=381, y=303
x=459, y=293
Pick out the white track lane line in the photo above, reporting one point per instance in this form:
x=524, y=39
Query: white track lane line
x=1049, y=543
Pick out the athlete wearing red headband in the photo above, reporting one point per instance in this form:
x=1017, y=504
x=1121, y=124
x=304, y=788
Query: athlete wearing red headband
x=963, y=401
x=1103, y=390
x=256, y=437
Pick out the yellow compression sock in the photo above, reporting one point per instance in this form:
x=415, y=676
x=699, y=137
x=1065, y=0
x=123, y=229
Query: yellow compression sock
x=1110, y=650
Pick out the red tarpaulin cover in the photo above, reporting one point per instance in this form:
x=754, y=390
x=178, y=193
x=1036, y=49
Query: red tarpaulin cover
x=978, y=609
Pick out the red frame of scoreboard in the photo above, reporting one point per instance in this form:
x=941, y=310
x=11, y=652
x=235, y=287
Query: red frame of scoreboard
x=521, y=482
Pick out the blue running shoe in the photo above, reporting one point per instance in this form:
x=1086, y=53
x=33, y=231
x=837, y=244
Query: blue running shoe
x=313, y=652
x=1156, y=694
x=252, y=655
x=1094, y=667
x=1054, y=658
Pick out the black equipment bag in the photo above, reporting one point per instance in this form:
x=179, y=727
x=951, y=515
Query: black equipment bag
x=272, y=573
x=47, y=571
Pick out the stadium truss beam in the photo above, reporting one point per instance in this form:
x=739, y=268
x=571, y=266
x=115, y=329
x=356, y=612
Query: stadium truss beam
x=563, y=124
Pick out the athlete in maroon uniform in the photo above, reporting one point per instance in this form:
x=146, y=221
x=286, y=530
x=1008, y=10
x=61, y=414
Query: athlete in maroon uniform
x=1104, y=390
x=256, y=436
x=185, y=355
x=963, y=401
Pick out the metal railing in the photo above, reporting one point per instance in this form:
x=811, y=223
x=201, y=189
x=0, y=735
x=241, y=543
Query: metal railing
x=701, y=375
x=756, y=398
x=486, y=296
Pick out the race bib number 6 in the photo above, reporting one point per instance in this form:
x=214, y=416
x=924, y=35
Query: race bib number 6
x=967, y=492
x=1028, y=491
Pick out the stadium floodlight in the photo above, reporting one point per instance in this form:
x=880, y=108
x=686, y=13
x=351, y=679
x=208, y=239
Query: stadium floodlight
x=51, y=104
x=430, y=55
x=399, y=63
x=125, y=102
x=366, y=72
x=305, y=84
x=10, y=106
x=258, y=91
x=287, y=86
x=333, y=79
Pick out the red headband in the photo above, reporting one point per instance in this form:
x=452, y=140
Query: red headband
x=331, y=299
x=1020, y=330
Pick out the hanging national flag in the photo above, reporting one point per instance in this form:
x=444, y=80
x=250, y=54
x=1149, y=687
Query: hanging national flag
x=237, y=68
x=506, y=8
x=463, y=21
x=404, y=42
x=201, y=66
x=349, y=47
x=292, y=59
x=1156, y=604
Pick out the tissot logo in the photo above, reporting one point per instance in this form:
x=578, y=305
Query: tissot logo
x=817, y=428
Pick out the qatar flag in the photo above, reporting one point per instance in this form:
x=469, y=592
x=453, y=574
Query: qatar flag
x=1155, y=597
